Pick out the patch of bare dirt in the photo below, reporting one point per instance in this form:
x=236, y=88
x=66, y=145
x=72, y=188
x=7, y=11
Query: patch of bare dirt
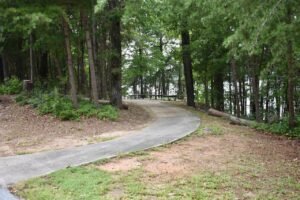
x=22, y=130
x=238, y=150
x=126, y=164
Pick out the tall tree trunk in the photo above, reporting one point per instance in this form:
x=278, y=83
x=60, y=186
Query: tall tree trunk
x=241, y=97
x=31, y=56
x=102, y=66
x=219, y=90
x=206, y=92
x=244, y=112
x=142, y=85
x=230, y=94
x=291, y=71
x=44, y=65
x=163, y=74
x=278, y=98
x=236, y=91
x=267, y=100
x=4, y=69
x=179, y=92
x=19, y=61
x=1, y=69
x=212, y=97
x=95, y=94
x=116, y=62
x=187, y=63
x=70, y=62
x=255, y=85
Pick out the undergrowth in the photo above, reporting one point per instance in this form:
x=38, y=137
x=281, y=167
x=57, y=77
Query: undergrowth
x=11, y=86
x=61, y=106
x=280, y=128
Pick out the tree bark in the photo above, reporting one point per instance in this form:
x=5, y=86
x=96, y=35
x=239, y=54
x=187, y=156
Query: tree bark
x=31, y=57
x=219, y=90
x=236, y=91
x=230, y=94
x=73, y=91
x=291, y=72
x=255, y=87
x=116, y=58
x=187, y=63
x=44, y=65
x=1, y=69
x=163, y=74
x=95, y=94
x=233, y=119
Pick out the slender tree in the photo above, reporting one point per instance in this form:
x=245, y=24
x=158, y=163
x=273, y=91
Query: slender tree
x=69, y=61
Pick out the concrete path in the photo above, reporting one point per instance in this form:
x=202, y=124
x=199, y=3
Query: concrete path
x=172, y=123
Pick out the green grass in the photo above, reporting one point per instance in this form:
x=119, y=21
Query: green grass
x=77, y=183
x=88, y=182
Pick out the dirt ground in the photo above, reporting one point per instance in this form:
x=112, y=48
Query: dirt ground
x=22, y=130
x=255, y=161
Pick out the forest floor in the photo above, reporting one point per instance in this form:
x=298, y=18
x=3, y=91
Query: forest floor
x=218, y=161
x=23, y=131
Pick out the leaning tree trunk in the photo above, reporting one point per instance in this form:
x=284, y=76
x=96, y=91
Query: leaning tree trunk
x=70, y=62
x=95, y=94
x=116, y=65
x=187, y=63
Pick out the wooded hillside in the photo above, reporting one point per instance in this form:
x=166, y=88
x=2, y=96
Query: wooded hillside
x=241, y=57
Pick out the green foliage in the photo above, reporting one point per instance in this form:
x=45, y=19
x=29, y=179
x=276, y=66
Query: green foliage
x=74, y=183
x=280, y=128
x=11, y=86
x=61, y=106
x=107, y=112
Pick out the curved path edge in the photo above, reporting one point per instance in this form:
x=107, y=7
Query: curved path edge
x=172, y=123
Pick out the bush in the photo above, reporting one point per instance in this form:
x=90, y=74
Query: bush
x=11, y=86
x=68, y=115
x=108, y=112
x=280, y=128
x=62, y=108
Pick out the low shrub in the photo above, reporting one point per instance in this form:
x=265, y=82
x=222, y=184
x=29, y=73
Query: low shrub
x=280, y=128
x=11, y=86
x=61, y=106
x=107, y=112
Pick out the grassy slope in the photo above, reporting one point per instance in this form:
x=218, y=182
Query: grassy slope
x=256, y=173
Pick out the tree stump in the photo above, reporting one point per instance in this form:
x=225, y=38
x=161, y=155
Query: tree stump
x=27, y=85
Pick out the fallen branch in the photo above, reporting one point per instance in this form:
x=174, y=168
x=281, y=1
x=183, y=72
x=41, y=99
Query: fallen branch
x=233, y=119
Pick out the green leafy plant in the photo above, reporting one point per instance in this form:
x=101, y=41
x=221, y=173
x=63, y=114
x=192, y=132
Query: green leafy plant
x=11, y=86
x=61, y=106
x=107, y=112
x=280, y=128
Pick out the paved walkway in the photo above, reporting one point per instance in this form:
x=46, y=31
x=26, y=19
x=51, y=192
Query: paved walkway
x=172, y=123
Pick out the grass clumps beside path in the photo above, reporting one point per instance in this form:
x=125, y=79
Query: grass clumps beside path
x=70, y=184
x=61, y=106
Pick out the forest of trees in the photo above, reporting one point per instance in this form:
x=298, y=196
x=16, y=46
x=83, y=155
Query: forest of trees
x=241, y=57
